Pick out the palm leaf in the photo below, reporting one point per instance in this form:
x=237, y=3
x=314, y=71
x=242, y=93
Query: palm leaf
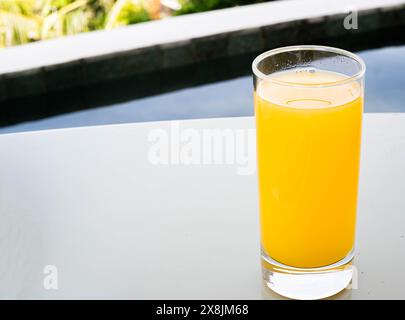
x=16, y=28
x=54, y=24
x=114, y=13
x=24, y=21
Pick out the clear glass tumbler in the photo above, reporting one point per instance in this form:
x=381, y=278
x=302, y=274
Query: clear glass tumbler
x=308, y=109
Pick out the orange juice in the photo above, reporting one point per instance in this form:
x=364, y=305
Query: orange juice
x=308, y=141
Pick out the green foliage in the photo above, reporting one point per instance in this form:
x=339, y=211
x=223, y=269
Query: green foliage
x=18, y=23
x=131, y=14
x=23, y=21
x=125, y=12
x=192, y=6
x=58, y=4
x=100, y=9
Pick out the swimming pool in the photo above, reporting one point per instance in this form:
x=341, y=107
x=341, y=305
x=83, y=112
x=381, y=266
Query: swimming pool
x=385, y=92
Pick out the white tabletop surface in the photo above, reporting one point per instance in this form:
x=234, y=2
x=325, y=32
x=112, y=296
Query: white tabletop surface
x=89, y=202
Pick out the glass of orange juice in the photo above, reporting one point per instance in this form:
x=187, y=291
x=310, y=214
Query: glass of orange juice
x=308, y=109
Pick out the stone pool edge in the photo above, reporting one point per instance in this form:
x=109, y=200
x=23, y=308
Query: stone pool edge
x=153, y=47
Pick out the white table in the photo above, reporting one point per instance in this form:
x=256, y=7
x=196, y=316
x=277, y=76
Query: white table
x=89, y=202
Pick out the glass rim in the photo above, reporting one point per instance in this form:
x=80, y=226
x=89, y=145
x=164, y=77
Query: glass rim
x=342, y=52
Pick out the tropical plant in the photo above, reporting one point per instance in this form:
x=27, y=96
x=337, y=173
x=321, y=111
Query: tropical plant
x=23, y=21
x=125, y=12
x=192, y=6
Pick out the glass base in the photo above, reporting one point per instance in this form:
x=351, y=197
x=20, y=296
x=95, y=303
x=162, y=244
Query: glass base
x=307, y=283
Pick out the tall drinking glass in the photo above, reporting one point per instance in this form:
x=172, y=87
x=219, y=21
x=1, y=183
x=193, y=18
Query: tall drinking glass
x=308, y=108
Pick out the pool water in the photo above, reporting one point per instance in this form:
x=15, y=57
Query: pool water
x=385, y=92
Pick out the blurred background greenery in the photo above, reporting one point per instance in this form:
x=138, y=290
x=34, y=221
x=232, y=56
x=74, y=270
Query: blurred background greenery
x=23, y=21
